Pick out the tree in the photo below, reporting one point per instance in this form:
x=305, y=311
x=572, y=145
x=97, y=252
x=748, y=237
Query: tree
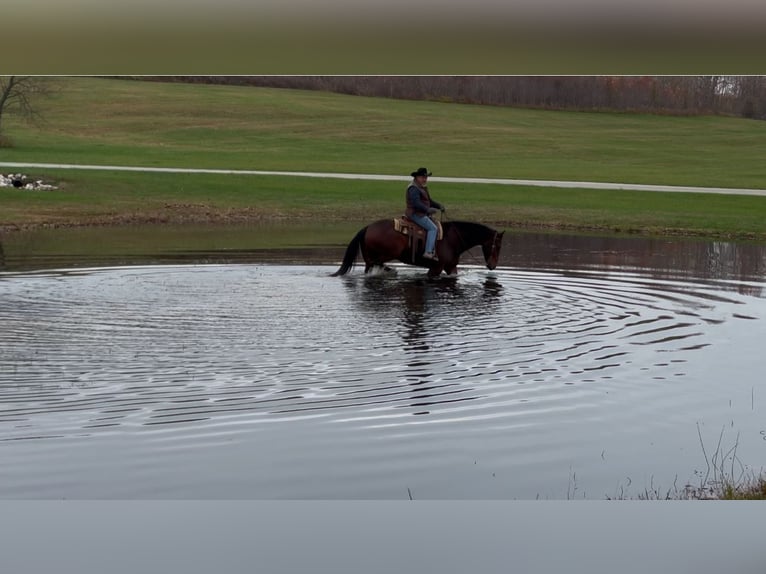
x=17, y=95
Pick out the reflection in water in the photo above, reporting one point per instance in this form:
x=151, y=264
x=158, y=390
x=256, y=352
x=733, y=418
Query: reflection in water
x=425, y=311
x=148, y=382
x=662, y=258
x=416, y=299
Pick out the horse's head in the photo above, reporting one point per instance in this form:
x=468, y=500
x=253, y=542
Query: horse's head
x=491, y=249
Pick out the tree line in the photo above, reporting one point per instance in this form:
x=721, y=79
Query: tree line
x=743, y=96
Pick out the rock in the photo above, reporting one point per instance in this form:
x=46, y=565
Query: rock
x=18, y=181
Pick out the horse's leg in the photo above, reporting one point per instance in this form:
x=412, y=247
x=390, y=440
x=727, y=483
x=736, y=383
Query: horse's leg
x=374, y=259
x=366, y=257
x=383, y=246
x=371, y=262
x=450, y=263
x=372, y=266
x=447, y=261
x=435, y=270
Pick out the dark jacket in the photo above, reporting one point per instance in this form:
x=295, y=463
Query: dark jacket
x=419, y=201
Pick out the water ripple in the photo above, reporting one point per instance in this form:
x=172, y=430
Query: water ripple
x=213, y=350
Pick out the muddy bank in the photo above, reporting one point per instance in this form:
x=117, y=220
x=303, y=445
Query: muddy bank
x=171, y=214
x=189, y=214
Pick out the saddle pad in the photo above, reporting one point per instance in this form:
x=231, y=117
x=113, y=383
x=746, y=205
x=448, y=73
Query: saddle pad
x=409, y=227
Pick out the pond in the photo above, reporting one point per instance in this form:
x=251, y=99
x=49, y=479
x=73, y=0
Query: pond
x=582, y=367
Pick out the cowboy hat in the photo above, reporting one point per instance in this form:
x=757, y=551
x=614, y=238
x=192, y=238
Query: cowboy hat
x=421, y=171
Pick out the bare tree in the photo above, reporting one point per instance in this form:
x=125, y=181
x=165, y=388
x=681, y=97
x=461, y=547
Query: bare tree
x=17, y=95
x=751, y=92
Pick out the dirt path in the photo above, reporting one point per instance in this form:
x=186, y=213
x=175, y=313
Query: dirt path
x=476, y=180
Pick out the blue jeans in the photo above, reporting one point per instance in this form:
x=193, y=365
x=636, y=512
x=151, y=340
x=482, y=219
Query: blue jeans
x=431, y=230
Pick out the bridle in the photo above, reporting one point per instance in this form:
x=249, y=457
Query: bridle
x=494, y=249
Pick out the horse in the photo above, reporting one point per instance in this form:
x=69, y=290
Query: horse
x=380, y=242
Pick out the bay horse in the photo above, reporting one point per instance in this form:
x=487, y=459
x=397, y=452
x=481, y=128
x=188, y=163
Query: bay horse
x=379, y=243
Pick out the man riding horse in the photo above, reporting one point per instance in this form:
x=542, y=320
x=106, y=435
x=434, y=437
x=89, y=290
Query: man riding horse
x=419, y=206
x=386, y=239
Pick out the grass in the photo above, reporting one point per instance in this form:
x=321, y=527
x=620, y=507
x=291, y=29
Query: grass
x=93, y=120
x=129, y=197
x=726, y=483
x=120, y=122
x=725, y=478
x=753, y=488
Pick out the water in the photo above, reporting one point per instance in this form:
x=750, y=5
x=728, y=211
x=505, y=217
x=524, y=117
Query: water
x=580, y=368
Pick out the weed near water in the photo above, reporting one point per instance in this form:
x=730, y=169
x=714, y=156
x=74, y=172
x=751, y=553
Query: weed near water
x=725, y=478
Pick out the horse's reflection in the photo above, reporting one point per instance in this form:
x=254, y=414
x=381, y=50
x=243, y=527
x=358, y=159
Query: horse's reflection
x=414, y=298
x=419, y=308
x=424, y=313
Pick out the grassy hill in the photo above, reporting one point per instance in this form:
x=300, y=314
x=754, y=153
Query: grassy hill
x=123, y=122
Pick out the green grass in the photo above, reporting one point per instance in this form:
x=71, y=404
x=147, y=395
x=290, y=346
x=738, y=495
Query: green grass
x=128, y=197
x=726, y=478
x=751, y=489
x=119, y=122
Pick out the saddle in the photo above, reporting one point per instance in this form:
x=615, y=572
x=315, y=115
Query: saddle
x=416, y=235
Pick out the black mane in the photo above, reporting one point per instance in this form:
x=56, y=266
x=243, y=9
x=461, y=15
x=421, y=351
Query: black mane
x=470, y=230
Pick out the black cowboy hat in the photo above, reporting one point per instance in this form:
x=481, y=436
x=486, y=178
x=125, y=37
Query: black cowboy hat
x=421, y=171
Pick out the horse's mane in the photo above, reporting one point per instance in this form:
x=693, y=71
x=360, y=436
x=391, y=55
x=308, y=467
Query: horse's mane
x=469, y=233
x=470, y=227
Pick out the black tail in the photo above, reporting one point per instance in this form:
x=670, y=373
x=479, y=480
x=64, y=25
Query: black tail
x=351, y=252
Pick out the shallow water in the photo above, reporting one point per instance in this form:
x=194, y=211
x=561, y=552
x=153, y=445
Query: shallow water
x=582, y=367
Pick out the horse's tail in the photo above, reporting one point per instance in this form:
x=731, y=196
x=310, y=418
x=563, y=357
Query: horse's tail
x=351, y=252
